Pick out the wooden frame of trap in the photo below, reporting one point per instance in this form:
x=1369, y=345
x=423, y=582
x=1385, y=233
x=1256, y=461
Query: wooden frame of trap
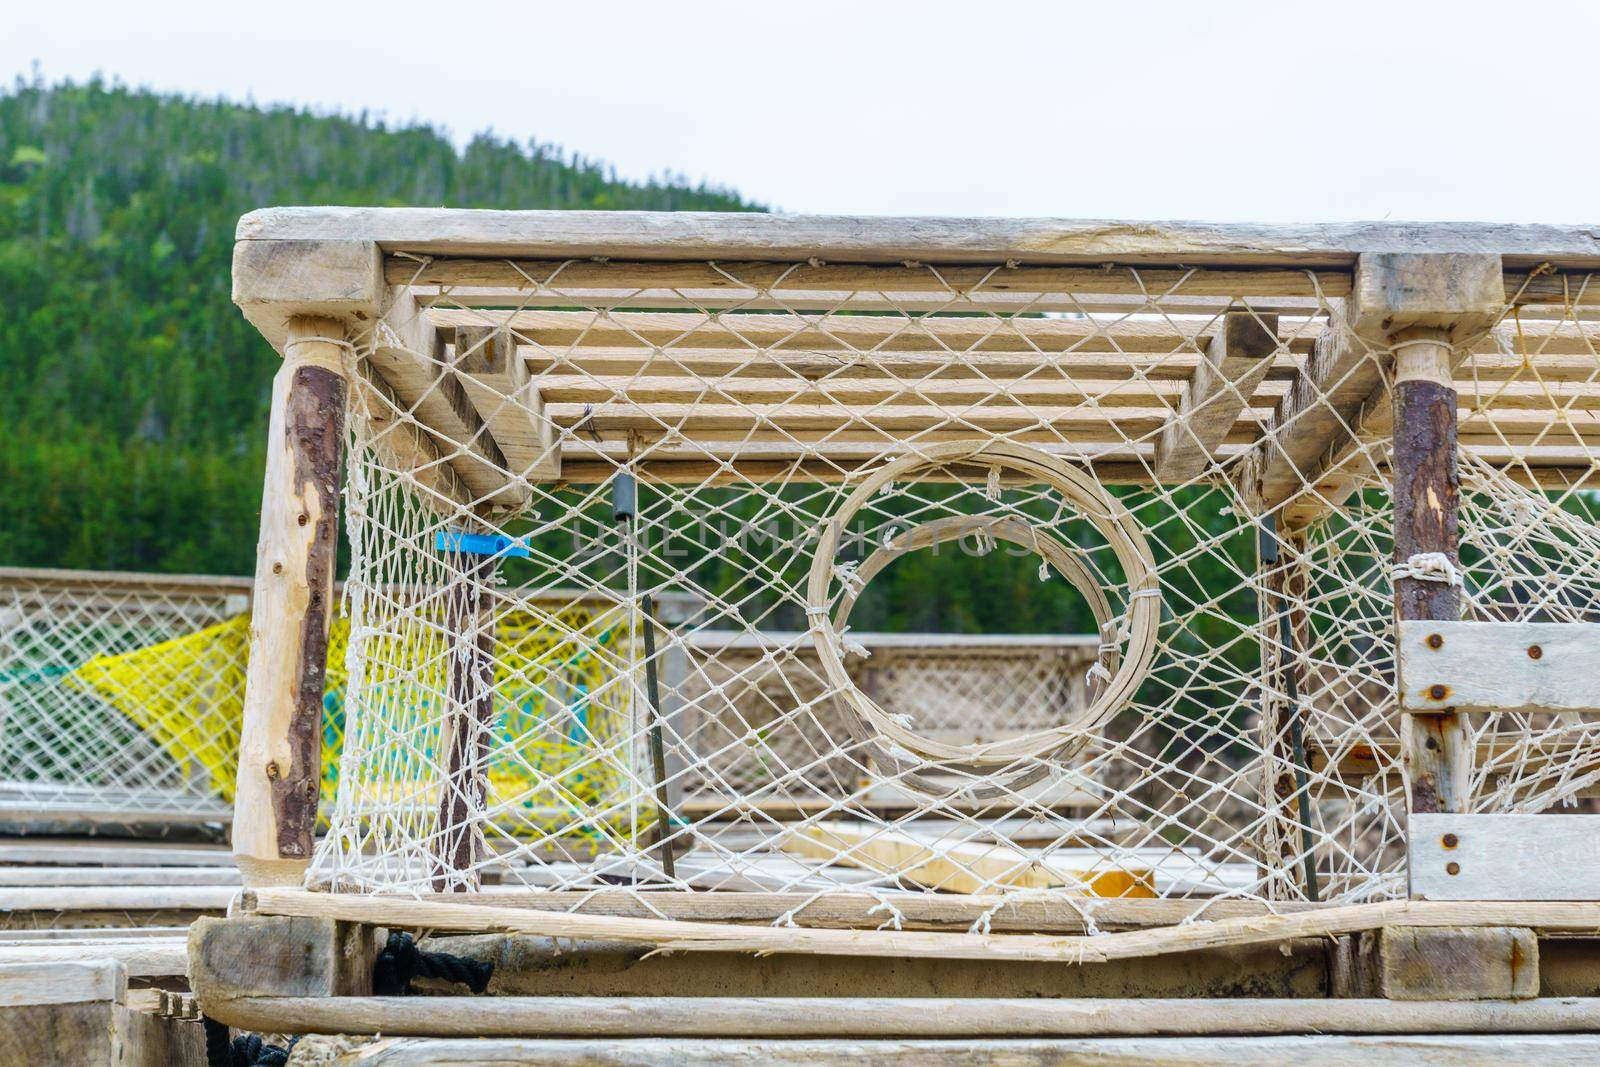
x=1461, y=956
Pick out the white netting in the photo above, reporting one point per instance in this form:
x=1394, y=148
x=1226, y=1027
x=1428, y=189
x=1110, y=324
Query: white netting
x=114, y=695
x=835, y=465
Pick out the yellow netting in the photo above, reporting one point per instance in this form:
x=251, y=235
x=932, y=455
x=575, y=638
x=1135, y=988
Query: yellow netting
x=188, y=695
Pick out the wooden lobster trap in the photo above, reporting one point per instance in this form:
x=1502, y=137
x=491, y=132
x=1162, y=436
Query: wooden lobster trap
x=1321, y=499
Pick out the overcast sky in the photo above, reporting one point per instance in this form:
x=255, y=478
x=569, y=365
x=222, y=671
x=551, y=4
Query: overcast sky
x=1204, y=109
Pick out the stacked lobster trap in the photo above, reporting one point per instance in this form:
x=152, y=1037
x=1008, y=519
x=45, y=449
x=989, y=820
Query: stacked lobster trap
x=1182, y=450
x=114, y=695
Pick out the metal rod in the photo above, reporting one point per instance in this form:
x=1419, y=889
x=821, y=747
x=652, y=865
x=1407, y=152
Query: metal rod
x=658, y=750
x=624, y=508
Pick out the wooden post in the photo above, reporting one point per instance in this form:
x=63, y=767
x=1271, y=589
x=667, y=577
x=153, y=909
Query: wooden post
x=1423, y=311
x=1427, y=492
x=280, y=745
x=465, y=733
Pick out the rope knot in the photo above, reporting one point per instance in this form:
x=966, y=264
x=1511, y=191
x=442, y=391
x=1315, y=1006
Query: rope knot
x=1429, y=567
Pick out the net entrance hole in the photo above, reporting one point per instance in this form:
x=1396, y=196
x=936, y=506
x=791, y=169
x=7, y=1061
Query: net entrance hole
x=1040, y=517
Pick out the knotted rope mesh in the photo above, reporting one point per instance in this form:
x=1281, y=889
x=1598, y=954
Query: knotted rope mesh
x=1057, y=639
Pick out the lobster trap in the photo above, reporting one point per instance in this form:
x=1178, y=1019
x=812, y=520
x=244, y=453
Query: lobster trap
x=1286, y=541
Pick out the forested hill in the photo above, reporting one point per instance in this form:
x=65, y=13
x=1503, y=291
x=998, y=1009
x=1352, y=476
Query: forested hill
x=133, y=396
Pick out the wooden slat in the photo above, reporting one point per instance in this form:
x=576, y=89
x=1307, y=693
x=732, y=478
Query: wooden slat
x=75, y=982
x=947, y=335
x=747, y=278
x=496, y=382
x=1080, y=423
x=1236, y=362
x=141, y=957
x=1544, y=857
x=409, y=355
x=407, y=446
x=117, y=898
x=1499, y=666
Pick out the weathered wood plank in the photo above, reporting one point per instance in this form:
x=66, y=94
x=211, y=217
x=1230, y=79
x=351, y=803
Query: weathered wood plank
x=141, y=957
x=1235, y=364
x=408, y=353
x=1499, y=666
x=736, y=236
x=77, y=982
x=852, y=1017
x=41, y=877
x=1401, y=1050
x=117, y=898
x=742, y=280
x=1456, y=856
x=711, y=937
x=496, y=381
x=947, y=911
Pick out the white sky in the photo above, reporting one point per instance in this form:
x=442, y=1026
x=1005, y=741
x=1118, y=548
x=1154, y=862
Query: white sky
x=1205, y=109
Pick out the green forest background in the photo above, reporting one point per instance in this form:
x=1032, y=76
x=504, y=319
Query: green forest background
x=133, y=395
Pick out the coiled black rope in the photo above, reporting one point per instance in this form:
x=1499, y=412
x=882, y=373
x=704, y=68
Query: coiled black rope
x=401, y=961
x=246, y=1050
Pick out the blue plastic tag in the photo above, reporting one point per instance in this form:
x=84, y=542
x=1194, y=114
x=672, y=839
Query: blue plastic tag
x=472, y=544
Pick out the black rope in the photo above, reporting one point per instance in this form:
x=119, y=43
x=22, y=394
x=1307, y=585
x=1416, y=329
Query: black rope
x=401, y=961
x=246, y=1050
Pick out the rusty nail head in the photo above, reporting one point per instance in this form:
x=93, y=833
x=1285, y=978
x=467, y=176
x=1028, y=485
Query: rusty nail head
x=1450, y=840
x=1534, y=651
x=1435, y=641
x=1438, y=692
x=1452, y=868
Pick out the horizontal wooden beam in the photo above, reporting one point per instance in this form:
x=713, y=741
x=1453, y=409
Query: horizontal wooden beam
x=1412, y=1048
x=858, y=239
x=1511, y=857
x=745, y=279
x=865, y=1020
x=1499, y=666
x=952, y=912
x=406, y=912
x=747, y=285
x=950, y=335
